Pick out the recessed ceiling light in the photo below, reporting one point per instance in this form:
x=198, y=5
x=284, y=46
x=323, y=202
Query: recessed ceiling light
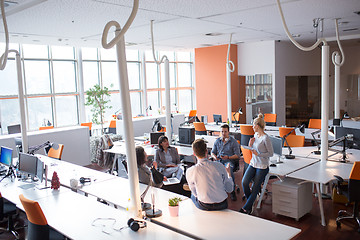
x=343, y=23
x=350, y=29
x=212, y=34
x=296, y=35
x=357, y=12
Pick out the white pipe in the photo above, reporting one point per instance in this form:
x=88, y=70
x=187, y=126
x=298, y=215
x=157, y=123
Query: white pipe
x=229, y=69
x=324, y=100
x=135, y=204
x=337, y=87
x=4, y=56
x=167, y=84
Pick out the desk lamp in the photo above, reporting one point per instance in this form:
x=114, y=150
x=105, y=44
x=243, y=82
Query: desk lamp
x=302, y=130
x=238, y=111
x=156, y=124
x=317, y=152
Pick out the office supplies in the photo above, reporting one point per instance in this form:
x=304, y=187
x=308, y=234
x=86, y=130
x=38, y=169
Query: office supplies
x=217, y=118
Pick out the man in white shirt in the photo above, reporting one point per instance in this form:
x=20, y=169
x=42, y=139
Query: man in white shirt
x=209, y=181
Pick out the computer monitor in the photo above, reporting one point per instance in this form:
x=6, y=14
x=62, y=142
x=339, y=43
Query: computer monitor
x=277, y=144
x=217, y=118
x=14, y=129
x=28, y=164
x=154, y=137
x=352, y=136
x=6, y=156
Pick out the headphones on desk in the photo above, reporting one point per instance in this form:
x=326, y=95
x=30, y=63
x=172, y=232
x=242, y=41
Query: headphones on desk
x=135, y=225
x=84, y=180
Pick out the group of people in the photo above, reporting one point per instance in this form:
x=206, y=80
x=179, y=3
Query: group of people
x=212, y=178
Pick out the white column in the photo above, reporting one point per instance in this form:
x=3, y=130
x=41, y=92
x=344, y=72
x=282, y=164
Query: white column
x=337, y=87
x=324, y=101
x=167, y=100
x=228, y=85
x=135, y=204
x=82, y=114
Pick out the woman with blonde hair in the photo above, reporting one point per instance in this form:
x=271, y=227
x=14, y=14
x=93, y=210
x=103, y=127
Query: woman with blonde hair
x=262, y=150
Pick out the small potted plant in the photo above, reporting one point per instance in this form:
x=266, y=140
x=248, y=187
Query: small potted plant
x=174, y=206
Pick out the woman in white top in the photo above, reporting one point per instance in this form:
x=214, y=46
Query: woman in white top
x=262, y=150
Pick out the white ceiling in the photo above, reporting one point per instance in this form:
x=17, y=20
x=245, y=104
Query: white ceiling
x=180, y=24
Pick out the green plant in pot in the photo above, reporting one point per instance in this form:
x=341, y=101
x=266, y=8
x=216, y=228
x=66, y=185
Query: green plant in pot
x=97, y=98
x=174, y=206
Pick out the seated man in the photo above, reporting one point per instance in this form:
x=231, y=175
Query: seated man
x=209, y=181
x=227, y=150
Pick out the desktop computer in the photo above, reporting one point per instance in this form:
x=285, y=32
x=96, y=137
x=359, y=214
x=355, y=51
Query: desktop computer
x=186, y=135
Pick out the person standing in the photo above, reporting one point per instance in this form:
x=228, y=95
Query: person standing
x=262, y=150
x=227, y=150
x=209, y=181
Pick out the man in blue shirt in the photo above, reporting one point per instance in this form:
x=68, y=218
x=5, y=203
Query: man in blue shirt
x=209, y=181
x=227, y=150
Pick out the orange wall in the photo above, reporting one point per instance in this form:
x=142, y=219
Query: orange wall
x=210, y=75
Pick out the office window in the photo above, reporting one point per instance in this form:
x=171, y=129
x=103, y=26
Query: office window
x=185, y=100
x=37, y=76
x=170, y=55
x=66, y=111
x=109, y=74
x=132, y=55
x=8, y=79
x=39, y=112
x=171, y=75
x=172, y=99
x=134, y=75
x=89, y=54
x=135, y=98
x=62, y=52
x=183, y=56
x=64, y=76
x=9, y=113
x=108, y=54
x=153, y=101
x=35, y=51
x=91, y=74
x=115, y=103
x=151, y=75
x=184, y=74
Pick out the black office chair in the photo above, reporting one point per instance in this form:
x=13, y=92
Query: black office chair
x=351, y=190
x=8, y=210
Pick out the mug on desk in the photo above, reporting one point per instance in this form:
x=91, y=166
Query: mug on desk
x=74, y=183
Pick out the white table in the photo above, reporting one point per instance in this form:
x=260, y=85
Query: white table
x=351, y=154
x=322, y=173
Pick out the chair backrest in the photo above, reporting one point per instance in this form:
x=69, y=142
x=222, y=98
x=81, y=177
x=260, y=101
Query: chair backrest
x=247, y=155
x=199, y=126
x=46, y=127
x=270, y=119
x=192, y=113
x=315, y=123
x=285, y=130
x=354, y=183
x=56, y=151
x=112, y=124
x=87, y=124
x=235, y=116
x=247, y=132
x=295, y=140
x=163, y=129
x=33, y=211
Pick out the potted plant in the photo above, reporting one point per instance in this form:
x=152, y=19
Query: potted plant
x=174, y=206
x=97, y=98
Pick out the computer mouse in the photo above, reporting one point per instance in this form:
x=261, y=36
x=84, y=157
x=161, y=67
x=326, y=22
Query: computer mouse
x=273, y=165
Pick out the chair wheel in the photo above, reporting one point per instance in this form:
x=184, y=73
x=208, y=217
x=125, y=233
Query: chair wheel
x=338, y=224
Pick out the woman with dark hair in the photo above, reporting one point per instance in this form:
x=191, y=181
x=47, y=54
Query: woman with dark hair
x=167, y=159
x=143, y=170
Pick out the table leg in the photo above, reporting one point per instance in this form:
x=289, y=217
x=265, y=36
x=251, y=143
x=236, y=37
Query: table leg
x=263, y=190
x=320, y=204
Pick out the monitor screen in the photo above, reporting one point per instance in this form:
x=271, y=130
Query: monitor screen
x=28, y=164
x=352, y=134
x=154, y=137
x=6, y=156
x=14, y=129
x=277, y=144
x=217, y=118
x=40, y=170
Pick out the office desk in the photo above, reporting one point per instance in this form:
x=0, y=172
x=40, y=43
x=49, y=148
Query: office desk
x=351, y=154
x=283, y=169
x=274, y=131
x=322, y=173
x=73, y=214
x=192, y=221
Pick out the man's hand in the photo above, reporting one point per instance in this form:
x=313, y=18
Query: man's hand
x=225, y=157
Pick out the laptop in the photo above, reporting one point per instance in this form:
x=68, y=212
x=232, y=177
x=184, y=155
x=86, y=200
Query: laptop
x=174, y=180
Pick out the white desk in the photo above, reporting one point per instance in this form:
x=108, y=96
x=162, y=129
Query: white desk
x=282, y=169
x=322, y=173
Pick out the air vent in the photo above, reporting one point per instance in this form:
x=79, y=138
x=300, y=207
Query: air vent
x=130, y=44
x=350, y=29
x=206, y=45
x=212, y=34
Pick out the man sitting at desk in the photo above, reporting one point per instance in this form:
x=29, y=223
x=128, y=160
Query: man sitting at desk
x=227, y=150
x=209, y=181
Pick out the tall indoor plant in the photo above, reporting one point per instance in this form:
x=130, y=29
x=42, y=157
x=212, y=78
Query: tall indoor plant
x=97, y=97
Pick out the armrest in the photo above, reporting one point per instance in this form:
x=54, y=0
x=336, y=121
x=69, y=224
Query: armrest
x=340, y=179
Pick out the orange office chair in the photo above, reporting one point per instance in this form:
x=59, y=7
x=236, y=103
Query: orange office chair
x=38, y=227
x=87, y=124
x=247, y=132
x=247, y=155
x=192, y=113
x=200, y=128
x=285, y=130
x=270, y=119
x=112, y=127
x=46, y=127
x=295, y=141
x=315, y=123
x=235, y=117
x=163, y=129
x=352, y=191
x=8, y=210
x=56, y=151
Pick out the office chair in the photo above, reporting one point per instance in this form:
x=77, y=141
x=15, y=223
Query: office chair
x=192, y=113
x=247, y=132
x=8, y=210
x=56, y=151
x=270, y=119
x=46, y=127
x=247, y=155
x=352, y=191
x=200, y=128
x=89, y=125
x=295, y=141
x=112, y=127
x=235, y=117
x=38, y=227
x=285, y=130
x=314, y=123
